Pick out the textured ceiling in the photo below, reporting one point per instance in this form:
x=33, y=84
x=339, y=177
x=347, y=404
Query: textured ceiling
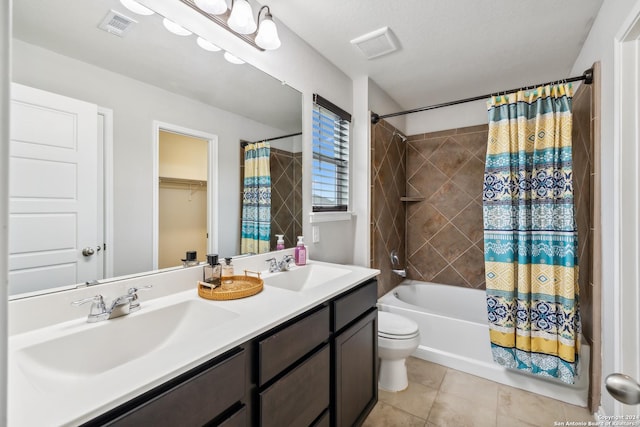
x=449, y=49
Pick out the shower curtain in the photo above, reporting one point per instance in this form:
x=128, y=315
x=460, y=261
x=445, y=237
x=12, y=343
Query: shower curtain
x=256, y=199
x=530, y=234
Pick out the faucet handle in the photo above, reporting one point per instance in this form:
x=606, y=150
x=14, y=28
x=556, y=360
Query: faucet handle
x=273, y=264
x=134, y=304
x=98, y=310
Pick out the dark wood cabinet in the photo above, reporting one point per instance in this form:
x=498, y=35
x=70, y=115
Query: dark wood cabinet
x=318, y=369
x=355, y=351
x=200, y=396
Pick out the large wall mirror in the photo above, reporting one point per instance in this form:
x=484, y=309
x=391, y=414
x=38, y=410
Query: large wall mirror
x=125, y=85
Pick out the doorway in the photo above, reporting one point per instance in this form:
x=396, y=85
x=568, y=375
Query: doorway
x=185, y=194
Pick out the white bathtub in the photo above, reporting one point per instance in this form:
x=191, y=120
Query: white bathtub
x=454, y=333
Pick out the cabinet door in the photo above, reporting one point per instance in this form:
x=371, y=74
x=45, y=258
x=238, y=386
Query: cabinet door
x=356, y=373
x=192, y=401
x=299, y=397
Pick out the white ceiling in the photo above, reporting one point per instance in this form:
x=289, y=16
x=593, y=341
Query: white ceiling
x=449, y=49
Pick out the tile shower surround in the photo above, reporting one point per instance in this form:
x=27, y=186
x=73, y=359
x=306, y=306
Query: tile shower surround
x=286, y=195
x=444, y=235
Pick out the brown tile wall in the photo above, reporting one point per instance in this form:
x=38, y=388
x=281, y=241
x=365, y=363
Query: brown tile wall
x=388, y=178
x=286, y=196
x=444, y=231
x=586, y=158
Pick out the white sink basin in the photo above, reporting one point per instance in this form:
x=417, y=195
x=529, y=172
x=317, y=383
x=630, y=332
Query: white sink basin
x=301, y=278
x=102, y=346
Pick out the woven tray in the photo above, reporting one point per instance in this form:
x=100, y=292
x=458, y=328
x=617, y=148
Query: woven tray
x=243, y=286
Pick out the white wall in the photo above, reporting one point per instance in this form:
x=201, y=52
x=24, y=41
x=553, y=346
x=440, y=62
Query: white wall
x=304, y=69
x=135, y=106
x=456, y=116
x=5, y=38
x=599, y=46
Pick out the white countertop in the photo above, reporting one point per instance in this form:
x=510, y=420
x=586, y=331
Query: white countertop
x=70, y=399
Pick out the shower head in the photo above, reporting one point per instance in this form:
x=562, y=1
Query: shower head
x=402, y=137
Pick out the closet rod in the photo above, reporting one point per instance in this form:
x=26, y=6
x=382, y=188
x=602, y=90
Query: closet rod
x=245, y=143
x=587, y=76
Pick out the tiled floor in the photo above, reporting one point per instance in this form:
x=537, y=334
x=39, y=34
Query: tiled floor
x=441, y=397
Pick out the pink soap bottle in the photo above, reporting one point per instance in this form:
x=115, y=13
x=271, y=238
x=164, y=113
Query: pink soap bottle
x=300, y=255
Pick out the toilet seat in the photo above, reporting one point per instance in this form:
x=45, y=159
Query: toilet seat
x=394, y=326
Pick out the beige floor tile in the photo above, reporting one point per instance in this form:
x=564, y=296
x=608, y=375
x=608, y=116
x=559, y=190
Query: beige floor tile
x=504, y=421
x=426, y=373
x=384, y=415
x=529, y=407
x=479, y=390
x=576, y=413
x=417, y=399
x=450, y=410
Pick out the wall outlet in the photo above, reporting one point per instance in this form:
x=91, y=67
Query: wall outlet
x=315, y=234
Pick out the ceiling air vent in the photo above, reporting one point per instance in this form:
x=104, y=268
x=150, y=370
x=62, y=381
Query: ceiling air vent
x=116, y=23
x=376, y=43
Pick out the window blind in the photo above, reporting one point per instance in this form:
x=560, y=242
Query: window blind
x=330, y=172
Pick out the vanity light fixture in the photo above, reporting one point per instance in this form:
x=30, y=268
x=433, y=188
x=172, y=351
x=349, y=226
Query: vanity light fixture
x=175, y=28
x=238, y=20
x=207, y=45
x=241, y=19
x=233, y=59
x=214, y=7
x=267, y=36
x=136, y=7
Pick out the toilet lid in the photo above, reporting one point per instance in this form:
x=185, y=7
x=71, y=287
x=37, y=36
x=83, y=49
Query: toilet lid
x=391, y=324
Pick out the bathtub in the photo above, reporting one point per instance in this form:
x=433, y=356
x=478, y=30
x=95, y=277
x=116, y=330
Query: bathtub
x=454, y=333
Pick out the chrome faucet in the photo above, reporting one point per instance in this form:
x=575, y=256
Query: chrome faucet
x=283, y=265
x=120, y=306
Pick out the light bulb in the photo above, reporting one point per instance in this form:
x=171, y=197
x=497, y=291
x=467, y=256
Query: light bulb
x=241, y=19
x=214, y=7
x=233, y=59
x=267, y=37
x=207, y=45
x=136, y=7
x=175, y=28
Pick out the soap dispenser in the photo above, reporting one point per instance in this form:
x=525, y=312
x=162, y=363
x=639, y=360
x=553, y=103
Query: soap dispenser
x=280, y=243
x=300, y=254
x=227, y=271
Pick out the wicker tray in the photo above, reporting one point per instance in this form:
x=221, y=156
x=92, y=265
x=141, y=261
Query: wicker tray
x=242, y=286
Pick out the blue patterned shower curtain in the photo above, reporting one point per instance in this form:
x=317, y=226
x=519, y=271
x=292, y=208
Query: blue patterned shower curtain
x=256, y=199
x=530, y=235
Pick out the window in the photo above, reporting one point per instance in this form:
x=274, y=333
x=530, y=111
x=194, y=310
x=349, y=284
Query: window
x=330, y=172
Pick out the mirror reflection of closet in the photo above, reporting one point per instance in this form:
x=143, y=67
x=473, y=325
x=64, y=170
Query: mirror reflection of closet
x=182, y=198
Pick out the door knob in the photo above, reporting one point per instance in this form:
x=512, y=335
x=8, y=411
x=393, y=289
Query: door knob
x=623, y=388
x=88, y=251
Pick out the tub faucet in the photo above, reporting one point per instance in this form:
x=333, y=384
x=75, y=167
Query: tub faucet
x=120, y=306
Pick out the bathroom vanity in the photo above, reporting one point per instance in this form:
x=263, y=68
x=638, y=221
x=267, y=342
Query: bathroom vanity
x=292, y=355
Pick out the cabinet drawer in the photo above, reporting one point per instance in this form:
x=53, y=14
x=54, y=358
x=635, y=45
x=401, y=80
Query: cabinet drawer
x=354, y=304
x=238, y=419
x=299, y=397
x=195, y=401
x=283, y=348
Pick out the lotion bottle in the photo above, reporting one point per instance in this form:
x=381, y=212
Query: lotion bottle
x=280, y=243
x=227, y=271
x=300, y=254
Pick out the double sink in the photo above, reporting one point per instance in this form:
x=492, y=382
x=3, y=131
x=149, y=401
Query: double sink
x=77, y=350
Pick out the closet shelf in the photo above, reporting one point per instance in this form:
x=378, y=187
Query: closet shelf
x=184, y=181
x=412, y=199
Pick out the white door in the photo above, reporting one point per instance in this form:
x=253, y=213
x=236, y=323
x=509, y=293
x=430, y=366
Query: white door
x=627, y=61
x=52, y=190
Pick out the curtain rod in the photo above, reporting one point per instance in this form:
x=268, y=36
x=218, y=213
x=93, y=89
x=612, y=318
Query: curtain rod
x=587, y=76
x=245, y=143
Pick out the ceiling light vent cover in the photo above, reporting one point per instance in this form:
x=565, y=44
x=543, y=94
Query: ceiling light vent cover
x=376, y=43
x=117, y=23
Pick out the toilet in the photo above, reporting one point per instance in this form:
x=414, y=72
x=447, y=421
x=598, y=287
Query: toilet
x=398, y=337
